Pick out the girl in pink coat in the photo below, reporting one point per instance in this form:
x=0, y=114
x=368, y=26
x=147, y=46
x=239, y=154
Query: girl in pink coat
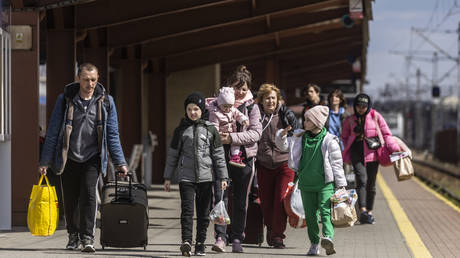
x=356, y=151
x=224, y=117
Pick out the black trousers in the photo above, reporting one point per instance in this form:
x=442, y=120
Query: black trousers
x=241, y=186
x=366, y=176
x=79, y=182
x=203, y=193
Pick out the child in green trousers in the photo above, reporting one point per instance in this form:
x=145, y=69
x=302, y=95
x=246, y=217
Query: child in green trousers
x=316, y=157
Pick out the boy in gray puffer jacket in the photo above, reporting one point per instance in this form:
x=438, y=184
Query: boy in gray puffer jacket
x=197, y=152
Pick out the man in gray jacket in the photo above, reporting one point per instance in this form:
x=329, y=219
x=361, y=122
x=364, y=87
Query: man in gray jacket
x=82, y=128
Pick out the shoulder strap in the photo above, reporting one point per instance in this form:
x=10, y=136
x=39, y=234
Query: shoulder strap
x=377, y=126
x=350, y=120
x=70, y=110
x=99, y=127
x=249, y=108
x=107, y=102
x=241, y=109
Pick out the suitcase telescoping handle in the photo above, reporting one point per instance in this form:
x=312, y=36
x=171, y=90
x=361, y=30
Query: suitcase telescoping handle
x=130, y=179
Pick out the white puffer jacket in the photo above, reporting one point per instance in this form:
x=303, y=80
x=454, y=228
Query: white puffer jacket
x=330, y=148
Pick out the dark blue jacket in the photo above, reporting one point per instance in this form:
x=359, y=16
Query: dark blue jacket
x=53, y=155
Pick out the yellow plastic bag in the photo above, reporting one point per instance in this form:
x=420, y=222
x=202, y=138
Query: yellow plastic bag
x=43, y=212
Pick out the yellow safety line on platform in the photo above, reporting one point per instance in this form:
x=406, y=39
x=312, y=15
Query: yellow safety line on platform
x=413, y=240
x=442, y=198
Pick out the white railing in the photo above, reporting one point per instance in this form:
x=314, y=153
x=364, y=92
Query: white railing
x=5, y=86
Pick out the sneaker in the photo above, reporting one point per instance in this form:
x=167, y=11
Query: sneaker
x=186, y=248
x=314, y=250
x=200, y=249
x=363, y=217
x=219, y=246
x=236, y=246
x=74, y=242
x=88, y=245
x=278, y=243
x=328, y=245
x=370, y=219
x=235, y=160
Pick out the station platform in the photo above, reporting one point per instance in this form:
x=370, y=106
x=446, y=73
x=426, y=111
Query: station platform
x=411, y=221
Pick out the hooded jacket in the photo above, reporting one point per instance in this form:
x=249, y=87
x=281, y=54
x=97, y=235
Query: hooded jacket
x=370, y=130
x=330, y=149
x=199, y=155
x=56, y=146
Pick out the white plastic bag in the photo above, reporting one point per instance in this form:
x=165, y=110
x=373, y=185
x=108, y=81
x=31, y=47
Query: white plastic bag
x=219, y=214
x=294, y=207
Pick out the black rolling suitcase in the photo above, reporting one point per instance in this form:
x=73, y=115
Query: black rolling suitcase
x=124, y=214
x=254, y=230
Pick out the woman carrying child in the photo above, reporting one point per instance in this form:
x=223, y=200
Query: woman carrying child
x=196, y=150
x=316, y=157
x=224, y=117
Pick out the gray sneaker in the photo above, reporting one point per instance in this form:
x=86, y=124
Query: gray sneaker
x=186, y=249
x=88, y=245
x=74, y=242
x=328, y=245
x=314, y=250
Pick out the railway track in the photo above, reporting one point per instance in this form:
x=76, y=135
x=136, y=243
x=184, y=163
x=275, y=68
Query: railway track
x=438, y=178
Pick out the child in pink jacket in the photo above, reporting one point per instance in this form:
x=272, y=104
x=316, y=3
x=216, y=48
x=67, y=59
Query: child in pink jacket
x=224, y=117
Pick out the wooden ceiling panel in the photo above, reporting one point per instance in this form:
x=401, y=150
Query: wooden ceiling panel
x=166, y=26
x=105, y=13
x=253, y=30
x=309, y=58
x=255, y=50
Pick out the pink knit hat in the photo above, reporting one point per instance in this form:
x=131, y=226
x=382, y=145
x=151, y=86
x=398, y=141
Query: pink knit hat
x=226, y=96
x=317, y=115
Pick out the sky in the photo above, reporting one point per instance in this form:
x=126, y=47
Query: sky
x=390, y=30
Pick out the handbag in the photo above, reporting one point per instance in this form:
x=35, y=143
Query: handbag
x=383, y=153
x=403, y=168
x=43, y=212
x=376, y=142
x=373, y=143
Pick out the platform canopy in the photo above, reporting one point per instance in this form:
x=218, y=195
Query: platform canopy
x=310, y=40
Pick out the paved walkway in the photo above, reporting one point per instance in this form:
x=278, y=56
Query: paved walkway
x=384, y=239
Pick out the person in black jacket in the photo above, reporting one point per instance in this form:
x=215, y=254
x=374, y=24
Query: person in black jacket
x=273, y=173
x=313, y=99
